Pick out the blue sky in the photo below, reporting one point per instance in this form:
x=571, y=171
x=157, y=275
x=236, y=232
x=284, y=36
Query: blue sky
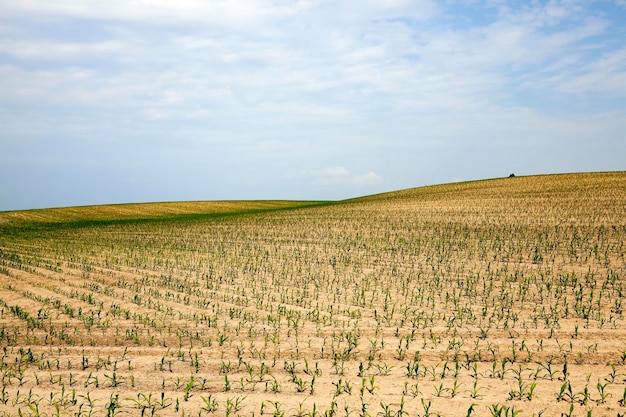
x=158, y=100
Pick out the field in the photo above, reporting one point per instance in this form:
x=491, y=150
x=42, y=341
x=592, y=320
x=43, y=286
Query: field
x=502, y=297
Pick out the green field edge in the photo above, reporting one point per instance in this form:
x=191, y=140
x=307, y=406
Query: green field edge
x=21, y=224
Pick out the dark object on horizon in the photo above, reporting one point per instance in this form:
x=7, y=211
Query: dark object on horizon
x=511, y=176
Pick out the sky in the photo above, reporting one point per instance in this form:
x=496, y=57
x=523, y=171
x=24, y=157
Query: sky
x=122, y=101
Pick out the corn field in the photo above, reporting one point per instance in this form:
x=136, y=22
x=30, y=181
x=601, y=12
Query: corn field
x=502, y=297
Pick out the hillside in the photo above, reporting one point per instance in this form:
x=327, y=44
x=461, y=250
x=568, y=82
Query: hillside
x=568, y=187
x=474, y=298
x=138, y=213
x=604, y=188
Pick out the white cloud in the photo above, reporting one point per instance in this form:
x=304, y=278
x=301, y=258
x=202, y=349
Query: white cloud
x=341, y=176
x=333, y=172
x=241, y=14
x=232, y=11
x=606, y=75
x=308, y=67
x=58, y=50
x=370, y=177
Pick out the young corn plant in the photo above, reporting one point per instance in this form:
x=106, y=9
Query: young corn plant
x=210, y=404
x=524, y=390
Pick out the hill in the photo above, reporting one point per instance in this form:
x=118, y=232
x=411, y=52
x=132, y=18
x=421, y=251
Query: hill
x=140, y=212
x=481, y=298
x=605, y=186
x=596, y=184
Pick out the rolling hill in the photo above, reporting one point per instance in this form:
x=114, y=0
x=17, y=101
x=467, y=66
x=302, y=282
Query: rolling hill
x=492, y=297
